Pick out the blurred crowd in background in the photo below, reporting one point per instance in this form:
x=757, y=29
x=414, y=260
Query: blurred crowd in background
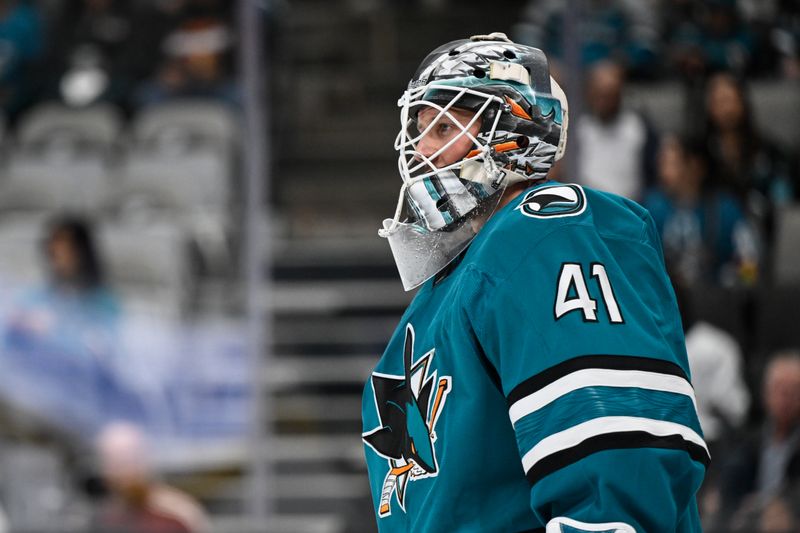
x=112, y=367
x=714, y=183
x=121, y=226
x=127, y=53
x=723, y=191
x=722, y=188
x=658, y=39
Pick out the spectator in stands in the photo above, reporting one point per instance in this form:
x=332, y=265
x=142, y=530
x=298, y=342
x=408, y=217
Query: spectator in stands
x=153, y=21
x=717, y=368
x=617, y=146
x=75, y=296
x=776, y=24
x=63, y=335
x=767, y=464
x=622, y=31
x=74, y=264
x=785, y=37
x=137, y=502
x=90, y=53
x=750, y=165
x=704, y=232
x=714, y=37
x=21, y=43
x=723, y=399
x=196, y=57
x=746, y=163
x=673, y=14
x=780, y=514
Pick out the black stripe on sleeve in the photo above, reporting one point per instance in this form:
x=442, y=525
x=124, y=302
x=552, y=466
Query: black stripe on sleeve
x=609, y=362
x=614, y=441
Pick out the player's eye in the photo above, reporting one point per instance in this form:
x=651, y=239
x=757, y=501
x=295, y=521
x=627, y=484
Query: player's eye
x=444, y=129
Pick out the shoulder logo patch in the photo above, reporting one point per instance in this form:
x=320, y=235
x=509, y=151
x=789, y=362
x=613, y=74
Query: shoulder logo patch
x=554, y=201
x=408, y=407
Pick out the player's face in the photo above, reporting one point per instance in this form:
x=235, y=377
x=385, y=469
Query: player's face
x=442, y=132
x=725, y=103
x=782, y=393
x=63, y=257
x=670, y=164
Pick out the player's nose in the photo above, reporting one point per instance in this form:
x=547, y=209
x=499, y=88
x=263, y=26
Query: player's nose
x=426, y=149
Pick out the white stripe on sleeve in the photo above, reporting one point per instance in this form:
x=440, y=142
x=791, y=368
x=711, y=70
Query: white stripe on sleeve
x=603, y=426
x=599, y=377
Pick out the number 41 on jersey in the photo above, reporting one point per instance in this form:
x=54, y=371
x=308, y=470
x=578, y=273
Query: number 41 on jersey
x=572, y=293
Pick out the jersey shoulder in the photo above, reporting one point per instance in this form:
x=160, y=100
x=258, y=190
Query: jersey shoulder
x=562, y=208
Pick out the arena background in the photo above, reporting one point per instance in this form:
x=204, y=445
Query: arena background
x=234, y=161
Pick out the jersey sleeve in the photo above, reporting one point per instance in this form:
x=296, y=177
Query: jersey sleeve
x=585, y=338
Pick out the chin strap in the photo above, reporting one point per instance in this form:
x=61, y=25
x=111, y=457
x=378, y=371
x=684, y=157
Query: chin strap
x=488, y=174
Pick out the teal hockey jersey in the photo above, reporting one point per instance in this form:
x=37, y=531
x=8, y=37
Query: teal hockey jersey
x=540, y=381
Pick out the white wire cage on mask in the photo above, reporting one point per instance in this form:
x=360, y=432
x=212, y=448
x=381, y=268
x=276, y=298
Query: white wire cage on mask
x=443, y=206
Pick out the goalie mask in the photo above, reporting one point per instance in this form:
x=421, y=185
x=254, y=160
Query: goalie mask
x=479, y=115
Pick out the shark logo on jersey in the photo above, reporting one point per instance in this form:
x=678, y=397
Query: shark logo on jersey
x=554, y=201
x=408, y=409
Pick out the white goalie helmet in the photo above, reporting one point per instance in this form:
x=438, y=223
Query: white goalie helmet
x=516, y=128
